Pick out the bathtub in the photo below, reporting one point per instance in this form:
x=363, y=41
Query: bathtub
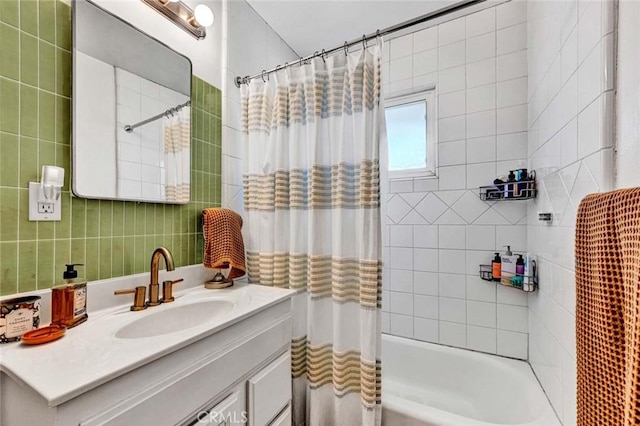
x=429, y=384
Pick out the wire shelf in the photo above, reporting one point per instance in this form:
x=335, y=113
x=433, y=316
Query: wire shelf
x=510, y=191
x=528, y=283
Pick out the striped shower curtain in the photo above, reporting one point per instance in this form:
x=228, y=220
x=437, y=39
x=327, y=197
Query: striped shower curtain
x=312, y=221
x=176, y=129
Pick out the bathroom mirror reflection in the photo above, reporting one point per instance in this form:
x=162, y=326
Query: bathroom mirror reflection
x=131, y=112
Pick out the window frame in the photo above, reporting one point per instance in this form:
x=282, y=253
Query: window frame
x=429, y=97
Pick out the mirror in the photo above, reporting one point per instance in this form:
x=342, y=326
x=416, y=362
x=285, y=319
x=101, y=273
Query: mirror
x=131, y=112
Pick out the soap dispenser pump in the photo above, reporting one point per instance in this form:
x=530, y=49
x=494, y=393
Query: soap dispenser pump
x=69, y=300
x=69, y=276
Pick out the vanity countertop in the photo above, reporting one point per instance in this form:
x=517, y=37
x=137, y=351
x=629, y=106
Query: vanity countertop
x=90, y=354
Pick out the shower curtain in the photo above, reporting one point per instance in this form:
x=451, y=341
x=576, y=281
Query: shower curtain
x=312, y=215
x=177, y=135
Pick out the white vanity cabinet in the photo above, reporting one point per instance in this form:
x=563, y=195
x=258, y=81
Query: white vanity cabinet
x=240, y=374
x=267, y=393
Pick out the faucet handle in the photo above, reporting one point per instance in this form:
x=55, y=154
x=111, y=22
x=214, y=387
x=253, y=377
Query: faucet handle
x=167, y=290
x=138, y=299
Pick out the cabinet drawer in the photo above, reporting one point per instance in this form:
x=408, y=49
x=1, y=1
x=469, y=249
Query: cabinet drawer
x=269, y=391
x=227, y=412
x=284, y=419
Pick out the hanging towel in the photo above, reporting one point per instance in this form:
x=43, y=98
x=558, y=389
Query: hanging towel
x=607, y=308
x=223, y=245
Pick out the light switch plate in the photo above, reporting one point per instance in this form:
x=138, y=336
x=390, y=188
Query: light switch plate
x=50, y=211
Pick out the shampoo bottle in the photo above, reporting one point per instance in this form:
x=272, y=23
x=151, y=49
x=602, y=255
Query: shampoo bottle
x=508, y=269
x=496, y=267
x=520, y=265
x=511, y=188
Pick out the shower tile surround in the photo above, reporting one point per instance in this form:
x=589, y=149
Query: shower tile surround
x=437, y=229
x=571, y=69
x=112, y=238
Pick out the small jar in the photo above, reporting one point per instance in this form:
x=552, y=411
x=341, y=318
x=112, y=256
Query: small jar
x=17, y=316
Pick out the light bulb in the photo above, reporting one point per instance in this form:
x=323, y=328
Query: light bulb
x=203, y=15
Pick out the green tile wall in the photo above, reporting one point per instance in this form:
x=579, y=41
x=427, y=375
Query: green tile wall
x=112, y=238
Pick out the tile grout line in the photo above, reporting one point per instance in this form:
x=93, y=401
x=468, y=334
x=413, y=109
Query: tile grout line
x=20, y=167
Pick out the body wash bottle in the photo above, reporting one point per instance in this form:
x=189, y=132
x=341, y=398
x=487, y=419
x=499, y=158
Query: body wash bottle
x=496, y=267
x=520, y=265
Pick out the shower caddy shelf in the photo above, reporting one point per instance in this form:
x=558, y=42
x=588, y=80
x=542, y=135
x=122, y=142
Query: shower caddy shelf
x=486, y=274
x=510, y=191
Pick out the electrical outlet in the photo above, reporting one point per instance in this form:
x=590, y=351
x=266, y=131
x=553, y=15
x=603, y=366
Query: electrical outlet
x=42, y=210
x=46, y=208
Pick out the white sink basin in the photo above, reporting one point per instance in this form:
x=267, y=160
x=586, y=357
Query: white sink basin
x=180, y=317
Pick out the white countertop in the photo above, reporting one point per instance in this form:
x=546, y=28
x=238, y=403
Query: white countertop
x=91, y=354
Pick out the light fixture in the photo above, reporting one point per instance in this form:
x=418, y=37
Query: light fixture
x=44, y=196
x=180, y=14
x=203, y=15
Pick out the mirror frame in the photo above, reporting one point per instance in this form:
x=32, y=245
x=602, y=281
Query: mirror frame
x=74, y=143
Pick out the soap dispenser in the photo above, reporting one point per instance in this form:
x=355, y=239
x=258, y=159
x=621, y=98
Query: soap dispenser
x=69, y=300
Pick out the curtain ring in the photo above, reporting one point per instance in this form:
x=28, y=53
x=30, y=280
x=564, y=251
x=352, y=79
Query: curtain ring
x=323, y=56
x=262, y=75
x=346, y=48
x=364, y=42
x=378, y=35
x=301, y=62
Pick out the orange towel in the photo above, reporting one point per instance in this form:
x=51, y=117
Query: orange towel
x=607, y=314
x=223, y=245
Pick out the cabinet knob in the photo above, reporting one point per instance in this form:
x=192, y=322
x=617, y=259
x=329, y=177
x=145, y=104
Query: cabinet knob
x=138, y=298
x=167, y=290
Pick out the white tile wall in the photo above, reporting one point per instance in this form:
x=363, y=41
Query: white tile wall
x=251, y=45
x=140, y=154
x=569, y=140
x=439, y=230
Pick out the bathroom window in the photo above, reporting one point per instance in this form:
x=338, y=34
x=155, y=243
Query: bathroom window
x=411, y=135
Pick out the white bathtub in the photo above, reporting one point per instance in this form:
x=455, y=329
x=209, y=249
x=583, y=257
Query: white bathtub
x=428, y=384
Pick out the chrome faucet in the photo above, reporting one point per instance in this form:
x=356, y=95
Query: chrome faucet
x=155, y=265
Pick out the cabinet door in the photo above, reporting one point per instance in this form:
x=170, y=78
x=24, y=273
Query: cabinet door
x=269, y=391
x=284, y=419
x=228, y=412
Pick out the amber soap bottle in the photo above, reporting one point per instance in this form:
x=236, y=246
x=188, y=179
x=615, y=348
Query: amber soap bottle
x=69, y=300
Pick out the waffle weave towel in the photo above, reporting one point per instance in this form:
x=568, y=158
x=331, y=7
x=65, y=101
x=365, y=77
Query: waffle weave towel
x=607, y=308
x=223, y=245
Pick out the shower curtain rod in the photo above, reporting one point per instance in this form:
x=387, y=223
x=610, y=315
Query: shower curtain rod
x=365, y=38
x=129, y=127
